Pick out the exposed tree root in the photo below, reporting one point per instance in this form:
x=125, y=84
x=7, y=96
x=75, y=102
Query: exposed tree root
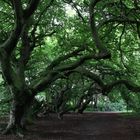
x=60, y=116
x=14, y=129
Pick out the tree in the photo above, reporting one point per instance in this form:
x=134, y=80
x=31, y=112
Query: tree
x=26, y=33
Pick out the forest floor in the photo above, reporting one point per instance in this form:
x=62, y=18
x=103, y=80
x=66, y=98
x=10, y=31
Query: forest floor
x=89, y=126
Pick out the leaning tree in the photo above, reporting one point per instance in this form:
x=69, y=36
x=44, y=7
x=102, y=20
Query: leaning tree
x=98, y=30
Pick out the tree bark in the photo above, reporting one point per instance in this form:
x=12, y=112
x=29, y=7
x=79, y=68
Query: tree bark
x=18, y=114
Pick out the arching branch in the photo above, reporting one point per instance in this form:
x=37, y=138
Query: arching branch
x=95, y=34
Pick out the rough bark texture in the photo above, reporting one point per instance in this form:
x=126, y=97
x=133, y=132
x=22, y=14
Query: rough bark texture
x=18, y=113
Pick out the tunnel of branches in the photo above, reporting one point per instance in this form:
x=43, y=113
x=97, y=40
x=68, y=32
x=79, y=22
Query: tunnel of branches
x=68, y=56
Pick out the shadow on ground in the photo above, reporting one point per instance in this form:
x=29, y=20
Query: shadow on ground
x=89, y=126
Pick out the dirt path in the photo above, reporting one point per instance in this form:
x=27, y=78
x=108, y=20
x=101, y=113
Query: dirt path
x=89, y=126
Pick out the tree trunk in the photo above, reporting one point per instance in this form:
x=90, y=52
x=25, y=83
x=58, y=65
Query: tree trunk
x=15, y=121
x=95, y=102
x=84, y=106
x=18, y=114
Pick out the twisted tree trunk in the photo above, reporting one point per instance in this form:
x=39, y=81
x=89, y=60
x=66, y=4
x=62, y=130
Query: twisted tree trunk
x=18, y=114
